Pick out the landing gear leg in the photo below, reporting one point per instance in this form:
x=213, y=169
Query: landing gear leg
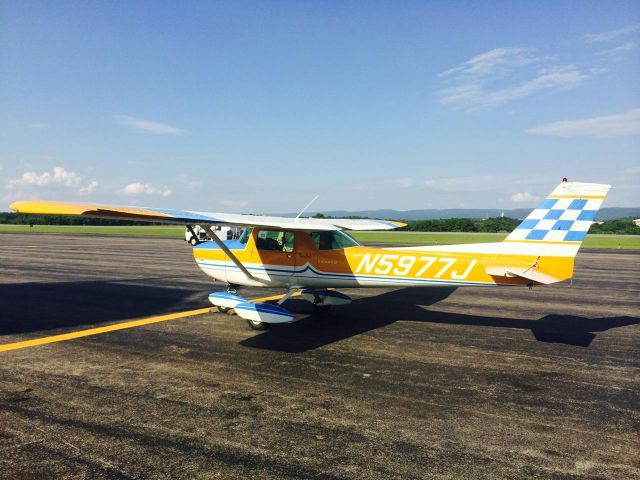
x=318, y=304
x=287, y=296
x=233, y=289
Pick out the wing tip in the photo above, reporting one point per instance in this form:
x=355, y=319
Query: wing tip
x=399, y=224
x=46, y=207
x=25, y=206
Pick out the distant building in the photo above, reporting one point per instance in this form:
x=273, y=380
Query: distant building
x=637, y=222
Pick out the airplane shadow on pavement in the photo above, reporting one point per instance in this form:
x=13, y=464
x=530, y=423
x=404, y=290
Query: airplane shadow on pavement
x=368, y=314
x=31, y=307
x=39, y=307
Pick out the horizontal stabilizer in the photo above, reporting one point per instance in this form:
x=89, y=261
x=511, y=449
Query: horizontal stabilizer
x=527, y=273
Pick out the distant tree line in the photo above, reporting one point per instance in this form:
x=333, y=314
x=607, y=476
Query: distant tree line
x=20, y=219
x=493, y=225
x=504, y=224
x=624, y=226
x=499, y=224
x=488, y=225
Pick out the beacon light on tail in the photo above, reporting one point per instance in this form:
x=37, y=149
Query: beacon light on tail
x=316, y=256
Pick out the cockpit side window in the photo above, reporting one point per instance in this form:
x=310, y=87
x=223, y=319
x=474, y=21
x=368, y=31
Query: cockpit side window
x=275, y=240
x=333, y=240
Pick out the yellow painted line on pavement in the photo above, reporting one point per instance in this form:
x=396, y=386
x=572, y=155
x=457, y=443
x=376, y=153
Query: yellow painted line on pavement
x=273, y=297
x=97, y=331
x=118, y=326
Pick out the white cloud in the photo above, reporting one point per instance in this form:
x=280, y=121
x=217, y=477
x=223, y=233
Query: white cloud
x=522, y=197
x=623, y=124
x=58, y=177
x=89, y=188
x=138, y=188
x=503, y=75
x=475, y=95
x=234, y=203
x=493, y=60
x=610, y=35
x=619, y=50
x=147, y=126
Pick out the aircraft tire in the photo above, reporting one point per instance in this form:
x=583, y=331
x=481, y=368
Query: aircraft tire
x=223, y=309
x=256, y=325
x=193, y=241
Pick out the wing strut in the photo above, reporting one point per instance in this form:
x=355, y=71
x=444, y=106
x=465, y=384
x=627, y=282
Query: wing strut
x=228, y=252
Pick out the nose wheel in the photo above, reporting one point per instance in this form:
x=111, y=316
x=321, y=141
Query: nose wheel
x=259, y=315
x=257, y=325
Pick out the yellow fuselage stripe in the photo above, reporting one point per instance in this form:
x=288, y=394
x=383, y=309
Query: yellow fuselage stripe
x=63, y=337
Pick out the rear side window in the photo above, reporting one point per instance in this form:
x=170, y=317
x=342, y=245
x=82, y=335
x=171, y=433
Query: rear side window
x=333, y=240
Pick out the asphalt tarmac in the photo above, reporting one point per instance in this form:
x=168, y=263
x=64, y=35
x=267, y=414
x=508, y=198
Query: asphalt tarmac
x=406, y=383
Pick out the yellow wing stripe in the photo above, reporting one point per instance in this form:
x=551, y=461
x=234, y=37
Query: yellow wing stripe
x=41, y=207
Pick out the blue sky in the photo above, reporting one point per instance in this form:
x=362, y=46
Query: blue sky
x=259, y=106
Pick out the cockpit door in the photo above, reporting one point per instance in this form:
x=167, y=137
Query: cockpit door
x=276, y=251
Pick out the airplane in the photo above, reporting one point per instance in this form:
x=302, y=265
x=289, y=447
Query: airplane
x=312, y=257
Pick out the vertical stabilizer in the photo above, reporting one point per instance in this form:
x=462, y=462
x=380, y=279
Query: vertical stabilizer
x=564, y=217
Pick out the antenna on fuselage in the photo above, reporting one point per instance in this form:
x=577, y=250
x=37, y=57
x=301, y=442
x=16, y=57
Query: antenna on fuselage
x=307, y=206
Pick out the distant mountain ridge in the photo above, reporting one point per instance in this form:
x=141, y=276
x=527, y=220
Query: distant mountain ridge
x=611, y=213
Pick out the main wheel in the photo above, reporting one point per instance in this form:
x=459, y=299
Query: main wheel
x=257, y=325
x=223, y=309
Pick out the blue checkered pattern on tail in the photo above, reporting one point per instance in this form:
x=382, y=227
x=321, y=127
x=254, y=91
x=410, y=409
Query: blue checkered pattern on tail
x=558, y=220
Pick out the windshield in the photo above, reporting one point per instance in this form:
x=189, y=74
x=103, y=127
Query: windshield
x=333, y=240
x=244, y=237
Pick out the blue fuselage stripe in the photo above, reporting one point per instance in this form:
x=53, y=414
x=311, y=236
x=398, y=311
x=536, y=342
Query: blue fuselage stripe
x=342, y=276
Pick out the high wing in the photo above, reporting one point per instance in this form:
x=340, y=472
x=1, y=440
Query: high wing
x=165, y=215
